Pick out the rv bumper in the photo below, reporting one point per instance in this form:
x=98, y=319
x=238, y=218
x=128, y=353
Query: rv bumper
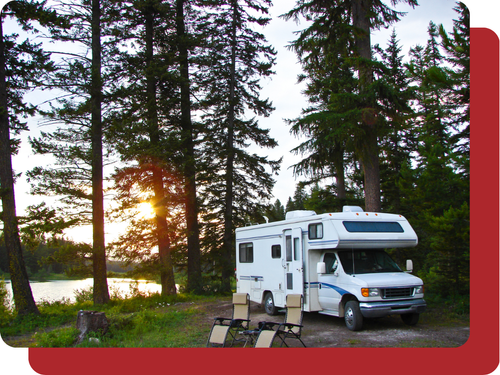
x=380, y=309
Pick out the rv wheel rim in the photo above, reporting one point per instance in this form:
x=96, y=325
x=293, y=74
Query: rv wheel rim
x=349, y=316
x=269, y=303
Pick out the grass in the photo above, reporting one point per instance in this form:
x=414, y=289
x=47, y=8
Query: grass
x=134, y=321
x=139, y=320
x=446, y=312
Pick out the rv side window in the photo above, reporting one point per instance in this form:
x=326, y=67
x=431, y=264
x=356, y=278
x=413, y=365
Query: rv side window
x=276, y=251
x=296, y=248
x=331, y=263
x=373, y=226
x=288, y=248
x=315, y=231
x=246, y=252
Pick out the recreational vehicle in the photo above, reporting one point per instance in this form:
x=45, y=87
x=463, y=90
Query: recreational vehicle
x=335, y=260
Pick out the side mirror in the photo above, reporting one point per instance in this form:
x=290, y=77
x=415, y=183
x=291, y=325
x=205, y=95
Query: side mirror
x=321, y=267
x=409, y=265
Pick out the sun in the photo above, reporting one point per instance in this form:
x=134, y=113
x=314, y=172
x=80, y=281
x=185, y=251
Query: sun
x=146, y=210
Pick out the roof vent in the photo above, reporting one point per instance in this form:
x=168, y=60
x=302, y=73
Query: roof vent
x=352, y=209
x=299, y=213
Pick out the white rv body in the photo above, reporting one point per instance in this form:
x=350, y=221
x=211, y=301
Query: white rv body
x=330, y=259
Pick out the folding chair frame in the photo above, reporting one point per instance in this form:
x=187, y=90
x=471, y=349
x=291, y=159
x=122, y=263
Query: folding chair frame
x=284, y=330
x=231, y=326
x=291, y=330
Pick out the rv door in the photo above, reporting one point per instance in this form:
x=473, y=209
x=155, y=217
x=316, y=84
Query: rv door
x=329, y=294
x=293, y=261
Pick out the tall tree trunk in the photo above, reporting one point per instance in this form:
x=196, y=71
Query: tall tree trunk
x=369, y=153
x=397, y=157
x=338, y=164
x=227, y=269
x=194, y=282
x=101, y=293
x=23, y=296
x=162, y=235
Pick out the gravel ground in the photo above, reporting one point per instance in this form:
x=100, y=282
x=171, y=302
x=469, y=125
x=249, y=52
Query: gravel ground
x=327, y=331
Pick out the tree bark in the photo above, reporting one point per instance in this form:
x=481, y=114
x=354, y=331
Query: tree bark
x=101, y=293
x=194, y=282
x=162, y=235
x=90, y=321
x=23, y=296
x=369, y=153
x=338, y=165
x=227, y=256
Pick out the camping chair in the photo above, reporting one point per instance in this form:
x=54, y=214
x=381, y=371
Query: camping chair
x=225, y=329
x=291, y=328
x=266, y=335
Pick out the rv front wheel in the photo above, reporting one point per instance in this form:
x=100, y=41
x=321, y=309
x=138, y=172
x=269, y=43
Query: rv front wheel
x=269, y=304
x=352, y=316
x=410, y=319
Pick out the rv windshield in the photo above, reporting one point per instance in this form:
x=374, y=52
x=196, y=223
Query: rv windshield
x=367, y=261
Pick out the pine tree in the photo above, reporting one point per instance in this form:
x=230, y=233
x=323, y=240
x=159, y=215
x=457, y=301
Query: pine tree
x=22, y=67
x=450, y=241
x=236, y=59
x=436, y=188
x=398, y=142
x=298, y=200
x=321, y=49
x=100, y=289
x=457, y=49
x=141, y=124
x=275, y=211
x=434, y=162
x=78, y=145
x=187, y=144
x=341, y=31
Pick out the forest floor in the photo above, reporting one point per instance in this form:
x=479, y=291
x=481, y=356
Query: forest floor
x=437, y=328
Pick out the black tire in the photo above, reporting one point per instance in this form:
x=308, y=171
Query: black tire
x=410, y=319
x=352, y=316
x=269, y=304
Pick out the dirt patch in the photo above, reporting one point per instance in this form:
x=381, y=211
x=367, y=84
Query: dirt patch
x=327, y=331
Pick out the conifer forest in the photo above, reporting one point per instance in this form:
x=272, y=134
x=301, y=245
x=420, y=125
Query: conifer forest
x=152, y=117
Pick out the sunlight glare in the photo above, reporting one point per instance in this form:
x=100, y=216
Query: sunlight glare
x=146, y=210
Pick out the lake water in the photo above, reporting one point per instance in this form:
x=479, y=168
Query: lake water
x=58, y=289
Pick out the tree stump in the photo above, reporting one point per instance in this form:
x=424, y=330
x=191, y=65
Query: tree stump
x=91, y=321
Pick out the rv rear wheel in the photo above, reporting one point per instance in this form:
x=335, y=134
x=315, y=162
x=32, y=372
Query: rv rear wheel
x=269, y=304
x=352, y=316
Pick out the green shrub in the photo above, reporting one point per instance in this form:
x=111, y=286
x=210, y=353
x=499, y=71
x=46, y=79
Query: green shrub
x=84, y=295
x=6, y=313
x=58, y=338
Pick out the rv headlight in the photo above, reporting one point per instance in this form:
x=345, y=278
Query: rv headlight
x=419, y=289
x=370, y=292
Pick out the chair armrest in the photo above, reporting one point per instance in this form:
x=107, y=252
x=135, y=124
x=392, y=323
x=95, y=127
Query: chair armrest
x=267, y=325
x=220, y=321
x=289, y=325
x=239, y=321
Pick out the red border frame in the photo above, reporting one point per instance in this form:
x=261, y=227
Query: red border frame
x=480, y=355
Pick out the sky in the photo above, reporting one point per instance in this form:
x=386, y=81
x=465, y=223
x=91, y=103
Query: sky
x=287, y=98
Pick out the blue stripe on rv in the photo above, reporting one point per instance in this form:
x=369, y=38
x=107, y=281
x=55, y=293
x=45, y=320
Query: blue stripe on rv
x=316, y=285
